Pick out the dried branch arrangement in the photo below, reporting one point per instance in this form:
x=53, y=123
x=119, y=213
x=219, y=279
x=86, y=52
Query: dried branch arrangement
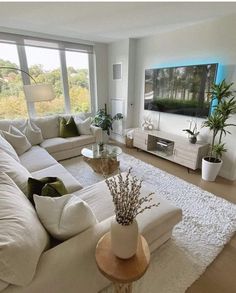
x=125, y=191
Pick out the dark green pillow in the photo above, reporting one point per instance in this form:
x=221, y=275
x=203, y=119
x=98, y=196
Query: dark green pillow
x=47, y=186
x=67, y=128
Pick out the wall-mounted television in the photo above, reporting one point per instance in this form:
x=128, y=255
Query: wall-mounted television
x=180, y=90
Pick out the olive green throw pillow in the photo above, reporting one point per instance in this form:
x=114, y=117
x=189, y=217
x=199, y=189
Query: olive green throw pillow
x=67, y=128
x=47, y=186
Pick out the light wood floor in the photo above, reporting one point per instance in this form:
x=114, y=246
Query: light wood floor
x=220, y=276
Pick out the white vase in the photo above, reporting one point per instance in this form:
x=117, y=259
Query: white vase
x=210, y=169
x=124, y=239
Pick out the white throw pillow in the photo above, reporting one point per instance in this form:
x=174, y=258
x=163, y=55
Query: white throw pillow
x=33, y=133
x=65, y=216
x=83, y=126
x=15, y=171
x=17, y=139
x=5, y=146
x=22, y=236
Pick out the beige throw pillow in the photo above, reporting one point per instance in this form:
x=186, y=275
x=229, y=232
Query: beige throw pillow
x=5, y=146
x=17, y=139
x=14, y=170
x=33, y=133
x=65, y=216
x=22, y=236
x=83, y=126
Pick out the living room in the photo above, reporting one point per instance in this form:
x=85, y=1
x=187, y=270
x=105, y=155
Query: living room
x=148, y=36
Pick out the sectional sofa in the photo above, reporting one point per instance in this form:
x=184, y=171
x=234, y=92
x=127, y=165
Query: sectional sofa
x=67, y=266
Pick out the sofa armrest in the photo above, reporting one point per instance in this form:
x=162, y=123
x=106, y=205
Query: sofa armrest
x=97, y=132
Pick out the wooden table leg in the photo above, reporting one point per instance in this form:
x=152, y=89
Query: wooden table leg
x=123, y=288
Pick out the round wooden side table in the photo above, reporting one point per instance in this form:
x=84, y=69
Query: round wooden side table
x=122, y=272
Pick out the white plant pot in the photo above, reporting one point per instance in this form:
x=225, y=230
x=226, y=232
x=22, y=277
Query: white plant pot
x=210, y=169
x=124, y=239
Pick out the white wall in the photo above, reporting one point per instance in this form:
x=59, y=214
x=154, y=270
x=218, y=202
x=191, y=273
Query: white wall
x=213, y=41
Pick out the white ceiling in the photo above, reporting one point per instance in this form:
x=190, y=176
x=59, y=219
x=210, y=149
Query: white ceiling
x=108, y=21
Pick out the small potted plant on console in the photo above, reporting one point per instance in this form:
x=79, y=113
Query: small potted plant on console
x=193, y=133
x=217, y=124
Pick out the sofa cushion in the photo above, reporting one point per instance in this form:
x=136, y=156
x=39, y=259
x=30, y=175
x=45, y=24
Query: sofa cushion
x=46, y=186
x=49, y=126
x=32, y=132
x=22, y=236
x=161, y=219
x=83, y=125
x=58, y=144
x=65, y=216
x=36, y=159
x=8, y=148
x=14, y=170
x=67, y=128
x=17, y=139
x=5, y=123
x=59, y=171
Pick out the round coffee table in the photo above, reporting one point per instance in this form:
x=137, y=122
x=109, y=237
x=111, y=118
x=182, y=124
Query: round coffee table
x=122, y=272
x=102, y=159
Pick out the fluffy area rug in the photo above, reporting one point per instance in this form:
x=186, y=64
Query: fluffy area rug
x=208, y=224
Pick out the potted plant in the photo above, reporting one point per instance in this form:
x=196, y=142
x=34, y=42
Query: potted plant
x=104, y=120
x=217, y=124
x=126, y=193
x=193, y=133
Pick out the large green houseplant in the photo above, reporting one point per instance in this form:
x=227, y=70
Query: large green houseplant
x=104, y=120
x=224, y=106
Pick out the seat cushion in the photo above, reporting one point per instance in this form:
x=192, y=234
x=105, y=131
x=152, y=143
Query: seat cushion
x=58, y=144
x=159, y=219
x=36, y=159
x=22, y=236
x=18, y=173
x=59, y=171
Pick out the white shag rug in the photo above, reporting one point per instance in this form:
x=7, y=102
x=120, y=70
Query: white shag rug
x=208, y=224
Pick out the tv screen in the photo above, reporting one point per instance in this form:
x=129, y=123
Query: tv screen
x=180, y=90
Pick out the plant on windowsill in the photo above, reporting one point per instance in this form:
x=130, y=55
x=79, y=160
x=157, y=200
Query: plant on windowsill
x=125, y=191
x=104, y=120
x=217, y=123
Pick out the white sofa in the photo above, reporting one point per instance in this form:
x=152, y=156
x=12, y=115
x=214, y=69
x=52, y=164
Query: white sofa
x=70, y=266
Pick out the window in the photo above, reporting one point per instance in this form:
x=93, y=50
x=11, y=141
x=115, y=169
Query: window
x=78, y=79
x=44, y=66
x=64, y=65
x=12, y=99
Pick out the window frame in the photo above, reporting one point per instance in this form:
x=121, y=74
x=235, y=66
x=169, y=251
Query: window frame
x=62, y=47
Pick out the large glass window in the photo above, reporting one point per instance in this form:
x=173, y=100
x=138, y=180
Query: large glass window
x=12, y=99
x=44, y=66
x=46, y=61
x=78, y=79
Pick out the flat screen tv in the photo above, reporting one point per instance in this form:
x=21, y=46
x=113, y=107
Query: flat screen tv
x=180, y=90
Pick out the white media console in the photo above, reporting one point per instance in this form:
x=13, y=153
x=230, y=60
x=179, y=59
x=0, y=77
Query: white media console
x=171, y=147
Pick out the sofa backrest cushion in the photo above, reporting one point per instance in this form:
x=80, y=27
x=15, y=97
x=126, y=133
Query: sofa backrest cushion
x=64, y=216
x=14, y=170
x=22, y=236
x=8, y=148
x=49, y=126
x=6, y=123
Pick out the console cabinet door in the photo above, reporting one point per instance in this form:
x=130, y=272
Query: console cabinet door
x=186, y=155
x=140, y=140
